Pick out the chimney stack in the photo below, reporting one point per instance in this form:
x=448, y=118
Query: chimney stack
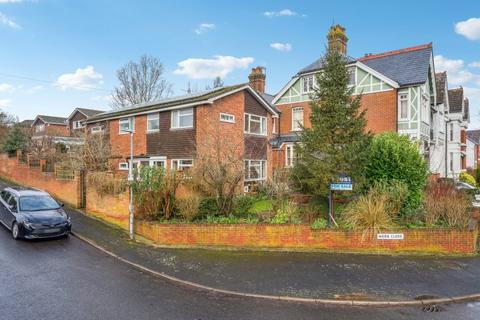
x=337, y=39
x=257, y=79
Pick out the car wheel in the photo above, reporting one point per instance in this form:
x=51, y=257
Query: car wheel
x=15, y=231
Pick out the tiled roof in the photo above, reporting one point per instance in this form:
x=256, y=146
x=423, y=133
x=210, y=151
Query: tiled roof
x=455, y=99
x=269, y=98
x=405, y=66
x=440, y=81
x=474, y=135
x=89, y=112
x=25, y=123
x=191, y=99
x=53, y=120
x=279, y=140
x=318, y=65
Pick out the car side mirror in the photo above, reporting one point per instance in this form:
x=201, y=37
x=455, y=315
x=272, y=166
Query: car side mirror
x=12, y=208
x=62, y=204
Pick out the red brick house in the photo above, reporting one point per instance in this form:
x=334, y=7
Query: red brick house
x=173, y=132
x=76, y=120
x=398, y=91
x=50, y=126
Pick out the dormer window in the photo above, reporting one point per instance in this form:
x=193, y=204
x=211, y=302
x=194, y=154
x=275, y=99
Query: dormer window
x=308, y=83
x=40, y=127
x=77, y=124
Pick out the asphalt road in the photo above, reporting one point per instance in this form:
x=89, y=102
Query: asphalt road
x=66, y=278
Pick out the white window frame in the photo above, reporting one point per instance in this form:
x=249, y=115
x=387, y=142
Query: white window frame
x=263, y=170
x=180, y=166
x=352, y=70
x=176, y=114
x=154, y=160
x=123, y=166
x=227, y=117
x=306, y=81
x=131, y=121
x=78, y=124
x=289, y=155
x=151, y=117
x=296, y=109
x=274, y=125
x=400, y=99
x=96, y=129
x=262, y=121
x=40, y=128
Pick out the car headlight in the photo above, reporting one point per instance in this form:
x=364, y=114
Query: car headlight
x=28, y=225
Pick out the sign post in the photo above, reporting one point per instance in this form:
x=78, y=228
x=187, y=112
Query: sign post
x=344, y=183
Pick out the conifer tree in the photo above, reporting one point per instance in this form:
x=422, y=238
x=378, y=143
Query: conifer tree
x=336, y=143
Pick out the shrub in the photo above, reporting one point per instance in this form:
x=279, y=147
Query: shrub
x=396, y=193
x=468, y=178
x=319, y=223
x=188, y=206
x=287, y=214
x=105, y=183
x=154, y=189
x=208, y=207
x=232, y=219
x=369, y=212
x=396, y=157
x=477, y=174
x=445, y=205
x=243, y=204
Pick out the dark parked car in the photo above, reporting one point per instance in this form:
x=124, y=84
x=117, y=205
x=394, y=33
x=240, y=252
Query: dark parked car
x=30, y=213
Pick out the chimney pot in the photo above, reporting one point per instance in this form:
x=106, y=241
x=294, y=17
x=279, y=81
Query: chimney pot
x=337, y=39
x=257, y=79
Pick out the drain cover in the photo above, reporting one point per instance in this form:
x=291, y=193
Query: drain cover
x=433, y=308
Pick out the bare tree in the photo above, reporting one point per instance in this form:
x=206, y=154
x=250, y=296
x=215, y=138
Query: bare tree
x=217, y=82
x=219, y=166
x=93, y=155
x=140, y=82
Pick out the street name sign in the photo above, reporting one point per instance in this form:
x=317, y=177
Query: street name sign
x=390, y=236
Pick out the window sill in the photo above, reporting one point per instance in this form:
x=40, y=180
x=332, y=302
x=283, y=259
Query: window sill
x=153, y=131
x=255, y=134
x=181, y=128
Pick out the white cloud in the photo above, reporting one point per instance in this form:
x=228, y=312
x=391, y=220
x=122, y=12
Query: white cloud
x=5, y=103
x=457, y=73
x=204, y=28
x=220, y=66
x=34, y=89
x=8, y=22
x=5, y=87
x=281, y=46
x=11, y=1
x=474, y=64
x=281, y=13
x=82, y=79
x=470, y=28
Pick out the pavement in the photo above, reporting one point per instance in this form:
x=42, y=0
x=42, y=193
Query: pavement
x=304, y=275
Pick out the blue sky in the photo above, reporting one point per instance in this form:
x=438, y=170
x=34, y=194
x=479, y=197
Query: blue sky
x=75, y=47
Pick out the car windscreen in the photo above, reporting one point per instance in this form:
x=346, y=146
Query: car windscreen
x=38, y=203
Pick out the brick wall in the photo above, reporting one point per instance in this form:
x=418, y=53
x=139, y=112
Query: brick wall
x=121, y=142
x=67, y=191
x=381, y=112
x=303, y=237
x=113, y=209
